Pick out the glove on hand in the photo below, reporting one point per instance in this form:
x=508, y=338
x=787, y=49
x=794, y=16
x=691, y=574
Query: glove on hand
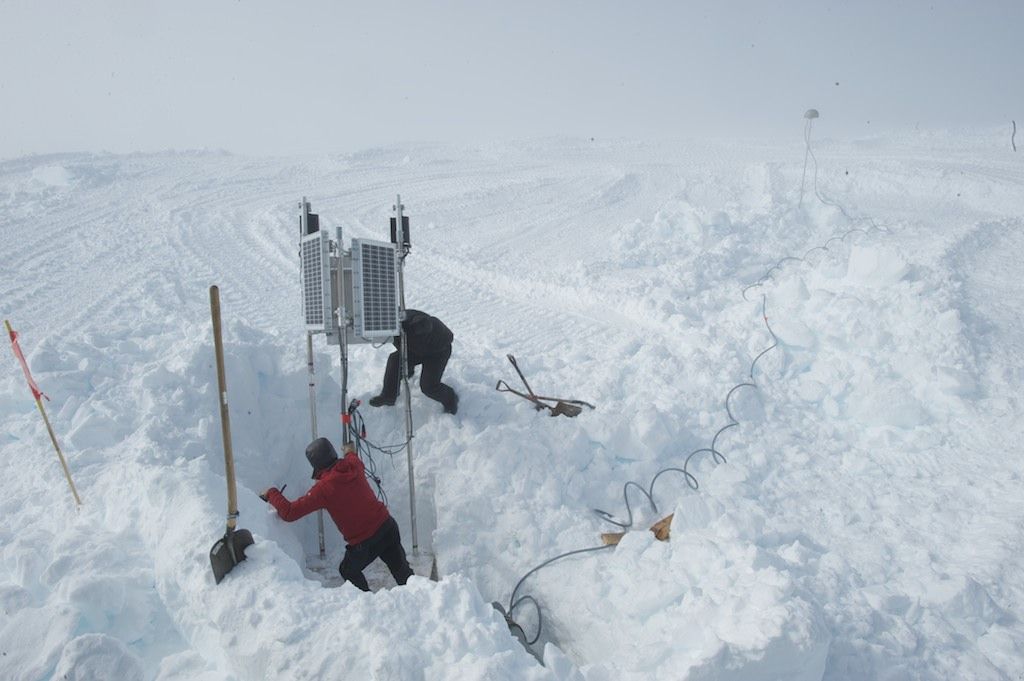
x=266, y=492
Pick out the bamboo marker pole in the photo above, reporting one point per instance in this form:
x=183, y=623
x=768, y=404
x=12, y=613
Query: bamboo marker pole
x=38, y=395
x=60, y=454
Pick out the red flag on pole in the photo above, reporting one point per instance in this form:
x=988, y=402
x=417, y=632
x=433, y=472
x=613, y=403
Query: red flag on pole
x=36, y=392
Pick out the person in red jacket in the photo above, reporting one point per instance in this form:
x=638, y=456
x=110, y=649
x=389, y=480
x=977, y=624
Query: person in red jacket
x=342, y=490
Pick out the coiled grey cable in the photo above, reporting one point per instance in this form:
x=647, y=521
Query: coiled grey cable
x=691, y=481
x=716, y=455
x=513, y=603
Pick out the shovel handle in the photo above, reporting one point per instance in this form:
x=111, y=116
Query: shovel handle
x=225, y=417
x=503, y=387
x=512, y=359
x=531, y=398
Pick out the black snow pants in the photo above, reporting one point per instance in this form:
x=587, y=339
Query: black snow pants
x=431, y=369
x=386, y=544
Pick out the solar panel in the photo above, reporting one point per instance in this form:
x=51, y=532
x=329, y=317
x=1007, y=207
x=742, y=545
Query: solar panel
x=375, y=289
x=314, y=255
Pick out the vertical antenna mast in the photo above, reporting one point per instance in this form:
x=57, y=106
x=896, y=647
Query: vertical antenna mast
x=342, y=317
x=809, y=115
x=304, y=230
x=400, y=241
x=312, y=424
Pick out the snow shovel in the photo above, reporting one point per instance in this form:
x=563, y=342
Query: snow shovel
x=563, y=407
x=229, y=550
x=560, y=408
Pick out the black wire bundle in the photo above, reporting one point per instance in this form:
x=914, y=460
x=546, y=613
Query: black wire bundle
x=365, y=448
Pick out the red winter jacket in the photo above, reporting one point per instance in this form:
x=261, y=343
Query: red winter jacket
x=344, y=492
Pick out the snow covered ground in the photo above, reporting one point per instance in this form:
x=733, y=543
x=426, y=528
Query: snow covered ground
x=866, y=522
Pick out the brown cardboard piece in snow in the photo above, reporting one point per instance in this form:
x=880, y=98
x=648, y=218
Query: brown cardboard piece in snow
x=660, y=529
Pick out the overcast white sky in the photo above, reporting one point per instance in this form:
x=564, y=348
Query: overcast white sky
x=283, y=77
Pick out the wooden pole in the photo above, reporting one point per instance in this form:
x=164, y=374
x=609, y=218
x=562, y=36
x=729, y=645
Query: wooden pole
x=225, y=416
x=39, y=404
x=60, y=454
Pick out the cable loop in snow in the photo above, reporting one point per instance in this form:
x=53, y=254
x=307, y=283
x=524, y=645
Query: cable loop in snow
x=716, y=455
x=513, y=603
x=690, y=479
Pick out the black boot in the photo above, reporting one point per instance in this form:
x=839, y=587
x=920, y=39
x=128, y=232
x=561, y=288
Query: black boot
x=381, y=401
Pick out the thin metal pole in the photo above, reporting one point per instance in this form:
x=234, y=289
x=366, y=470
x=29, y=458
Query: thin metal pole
x=312, y=425
x=346, y=437
x=408, y=448
x=303, y=231
x=400, y=244
x=312, y=384
x=341, y=317
x=807, y=152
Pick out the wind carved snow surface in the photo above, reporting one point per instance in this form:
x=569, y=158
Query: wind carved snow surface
x=866, y=524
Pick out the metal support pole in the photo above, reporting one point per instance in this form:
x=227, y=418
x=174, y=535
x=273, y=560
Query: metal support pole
x=807, y=152
x=341, y=317
x=400, y=241
x=346, y=437
x=303, y=231
x=312, y=424
x=809, y=116
x=312, y=384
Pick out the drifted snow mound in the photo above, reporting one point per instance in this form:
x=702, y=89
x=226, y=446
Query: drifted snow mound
x=267, y=620
x=709, y=604
x=96, y=657
x=126, y=590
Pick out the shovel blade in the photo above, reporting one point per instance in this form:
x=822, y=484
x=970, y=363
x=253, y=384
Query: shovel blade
x=565, y=409
x=228, y=552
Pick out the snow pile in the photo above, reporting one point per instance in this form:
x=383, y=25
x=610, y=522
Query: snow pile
x=864, y=520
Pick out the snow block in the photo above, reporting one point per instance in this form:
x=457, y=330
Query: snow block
x=97, y=657
x=875, y=266
x=560, y=665
x=710, y=604
x=32, y=640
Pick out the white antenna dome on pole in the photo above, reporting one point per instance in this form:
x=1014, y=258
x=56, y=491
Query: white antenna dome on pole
x=810, y=115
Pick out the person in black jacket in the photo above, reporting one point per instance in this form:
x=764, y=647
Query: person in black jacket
x=430, y=346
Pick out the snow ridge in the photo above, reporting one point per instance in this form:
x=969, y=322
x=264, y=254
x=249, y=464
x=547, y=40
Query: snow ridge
x=863, y=527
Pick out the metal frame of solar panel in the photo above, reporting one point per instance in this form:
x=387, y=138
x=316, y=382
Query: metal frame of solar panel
x=375, y=289
x=317, y=295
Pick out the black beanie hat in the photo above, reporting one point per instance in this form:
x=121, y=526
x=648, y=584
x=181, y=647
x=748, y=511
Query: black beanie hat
x=321, y=454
